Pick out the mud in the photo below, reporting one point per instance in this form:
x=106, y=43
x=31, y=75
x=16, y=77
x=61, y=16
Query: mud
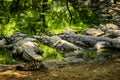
x=88, y=71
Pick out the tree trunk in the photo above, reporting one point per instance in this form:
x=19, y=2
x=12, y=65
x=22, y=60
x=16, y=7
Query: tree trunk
x=44, y=8
x=14, y=6
x=70, y=14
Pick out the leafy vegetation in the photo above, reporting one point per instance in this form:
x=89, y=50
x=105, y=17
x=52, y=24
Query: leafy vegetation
x=50, y=53
x=35, y=17
x=6, y=58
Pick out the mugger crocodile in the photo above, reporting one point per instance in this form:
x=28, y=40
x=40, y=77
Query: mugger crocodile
x=93, y=41
x=25, y=48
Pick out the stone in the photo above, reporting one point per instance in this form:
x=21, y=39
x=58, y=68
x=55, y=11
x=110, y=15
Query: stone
x=94, y=32
x=70, y=31
x=112, y=26
x=3, y=42
x=74, y=60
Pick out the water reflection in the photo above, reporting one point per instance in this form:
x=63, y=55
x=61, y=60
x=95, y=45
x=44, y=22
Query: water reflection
x=101, y=54
x=110, y=54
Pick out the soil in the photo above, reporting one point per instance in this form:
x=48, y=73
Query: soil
x=86, y=71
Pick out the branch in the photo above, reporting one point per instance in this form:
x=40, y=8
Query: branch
x=70, y=14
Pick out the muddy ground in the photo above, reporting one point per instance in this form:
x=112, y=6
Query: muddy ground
x=89, y=71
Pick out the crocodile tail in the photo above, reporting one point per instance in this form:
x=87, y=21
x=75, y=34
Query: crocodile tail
x=31, y=66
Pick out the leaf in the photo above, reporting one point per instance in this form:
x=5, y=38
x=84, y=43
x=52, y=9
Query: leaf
x=49, y=1
x=8, y=0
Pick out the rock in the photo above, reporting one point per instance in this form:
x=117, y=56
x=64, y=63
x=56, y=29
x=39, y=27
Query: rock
x=74, y=60
x=75, y=54
x=112, y=26
x=70, y=31
x=54, y=63
x=94, y=32
x=59, y=64
x=114, y=32
x=3, y=42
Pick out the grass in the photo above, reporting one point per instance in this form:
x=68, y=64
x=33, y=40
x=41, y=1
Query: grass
x=51, y=53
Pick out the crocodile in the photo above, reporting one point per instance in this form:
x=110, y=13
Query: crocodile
x=59, y=44
x=93, y=41
x=25, y=48
x=32, y=66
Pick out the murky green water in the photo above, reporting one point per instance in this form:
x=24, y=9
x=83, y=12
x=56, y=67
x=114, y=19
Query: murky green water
x=107, y=54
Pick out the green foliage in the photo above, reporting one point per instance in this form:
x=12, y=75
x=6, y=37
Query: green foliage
x=49, y=1
x=8, y=0
x=89, y=16
x=10, y=27
x=59, y=18
x=5, y=57
x=51, y=53
x=28, y=17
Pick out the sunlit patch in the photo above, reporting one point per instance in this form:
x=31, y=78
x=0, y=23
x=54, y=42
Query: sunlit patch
x=51, y=53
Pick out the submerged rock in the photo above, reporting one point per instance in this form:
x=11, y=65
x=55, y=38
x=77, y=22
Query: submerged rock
x=74, y=60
